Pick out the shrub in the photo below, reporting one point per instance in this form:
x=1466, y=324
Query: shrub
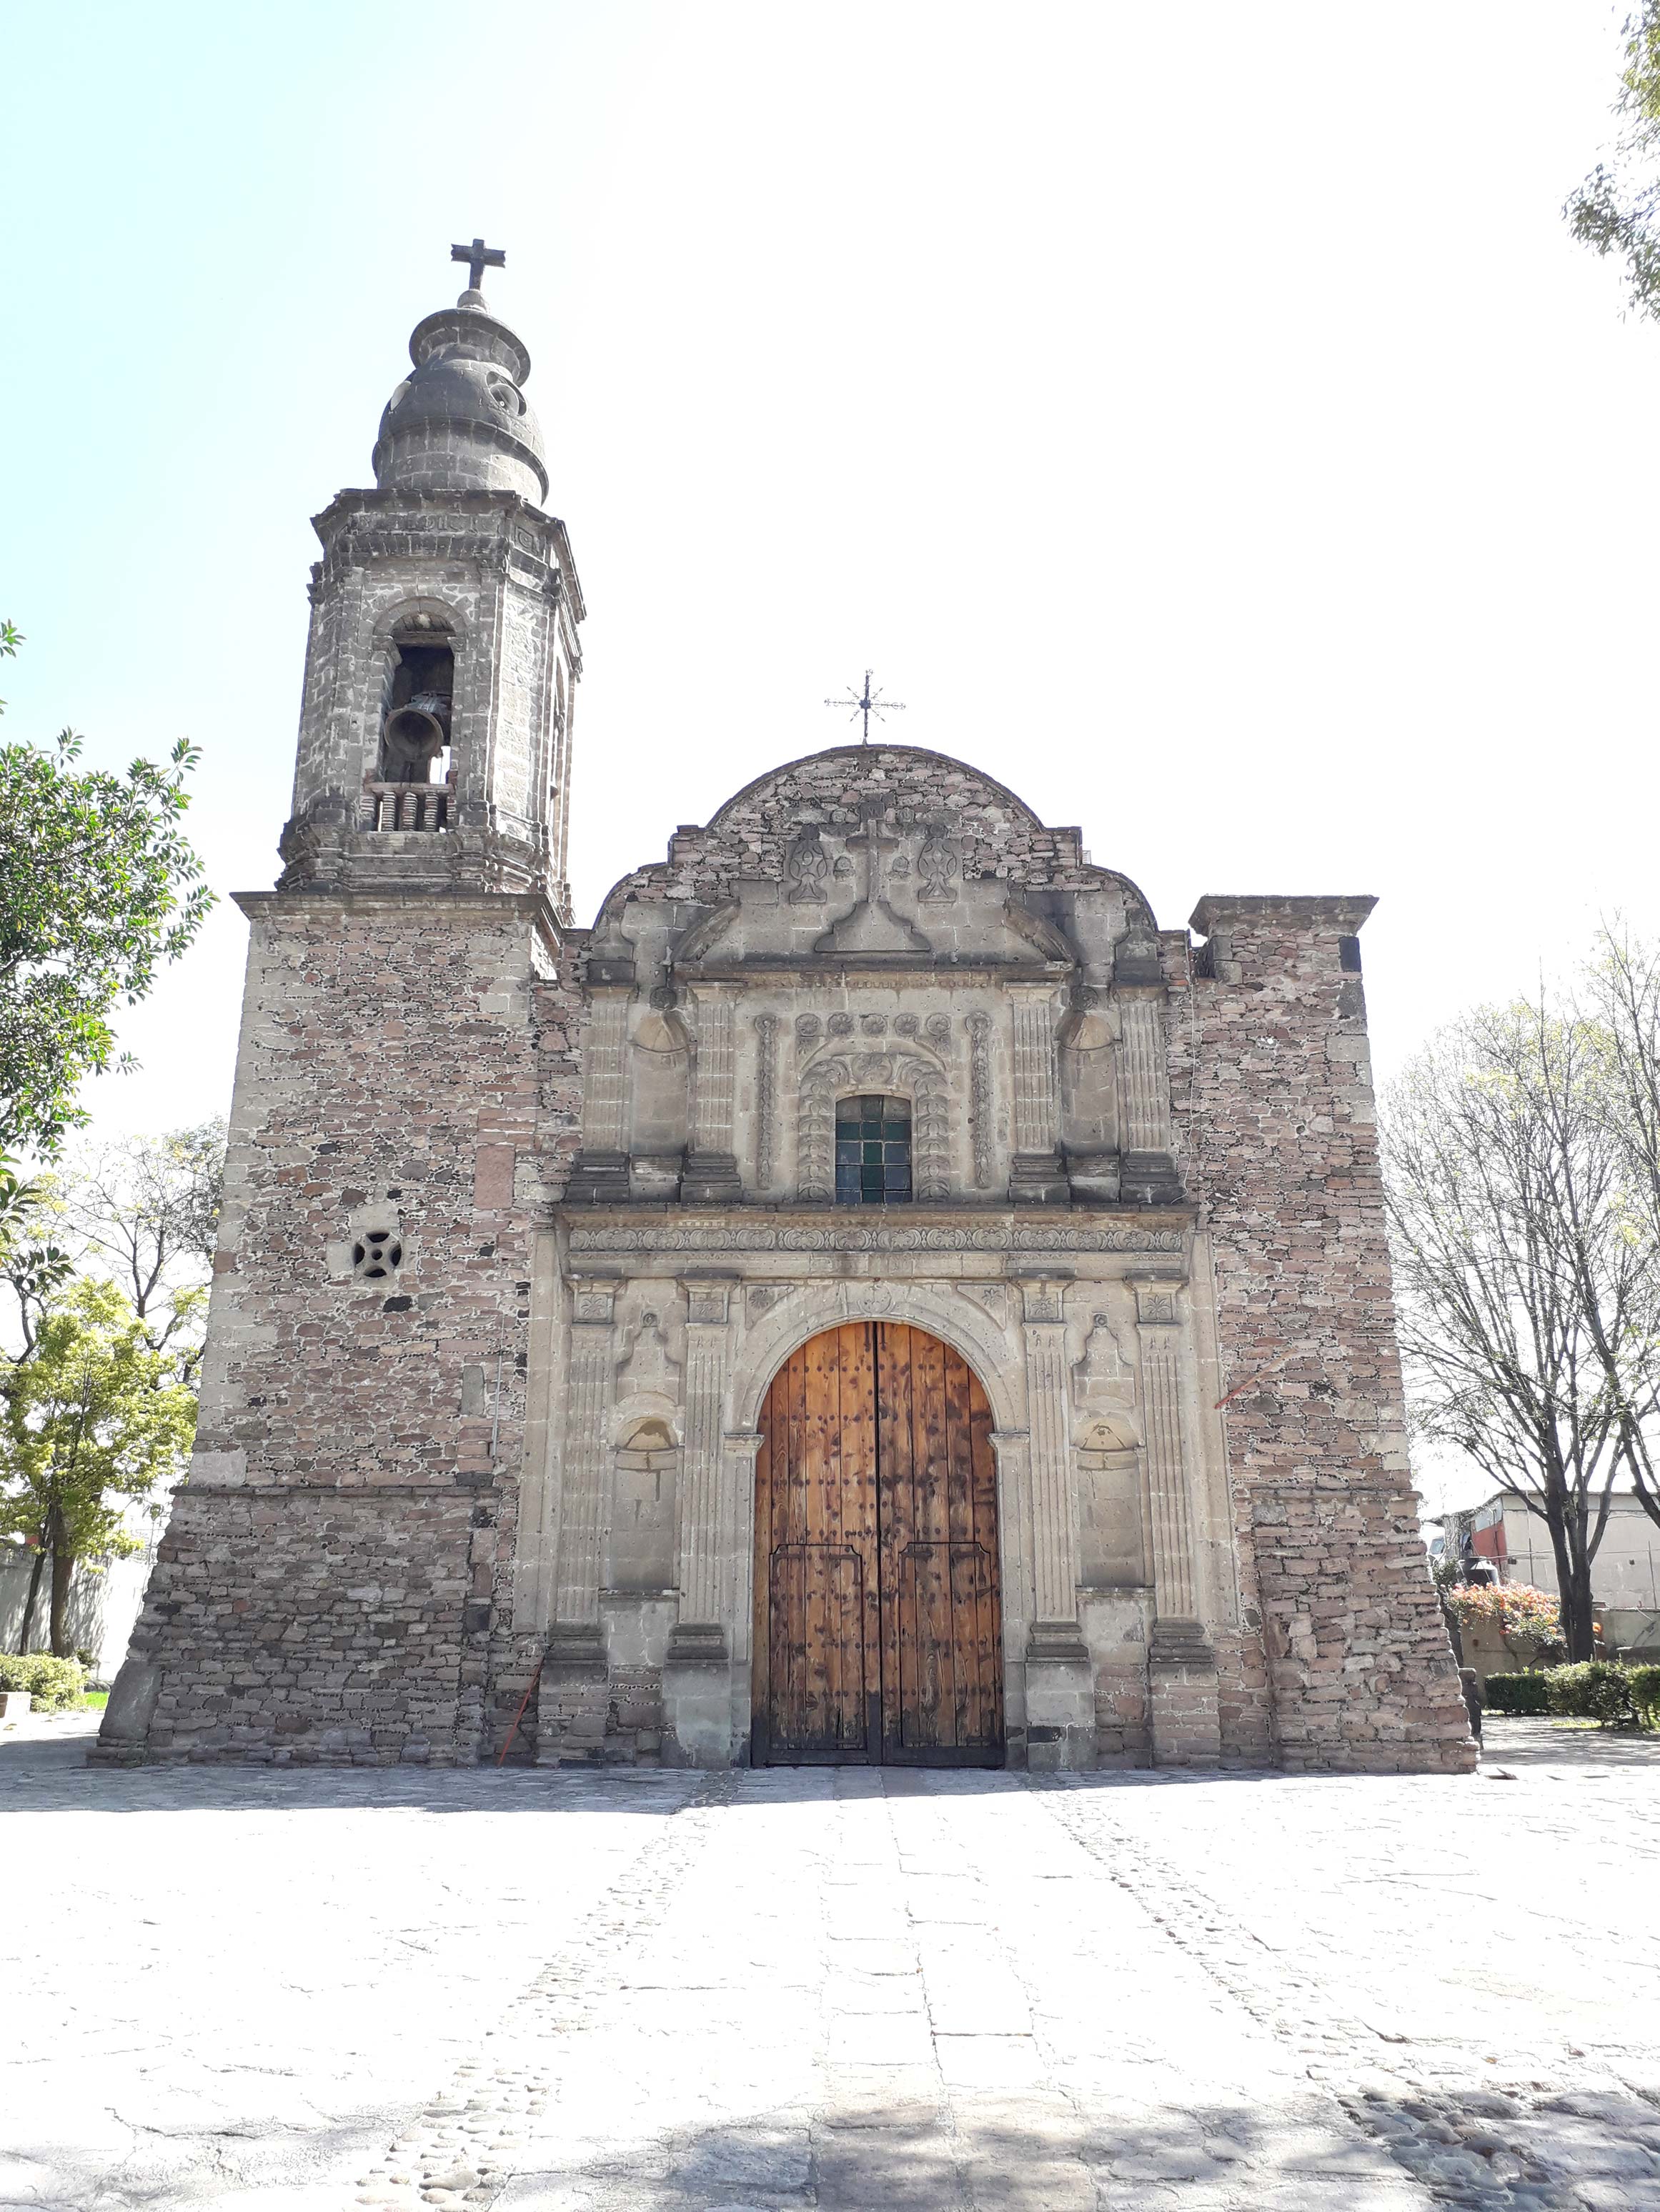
x=1595, y=1690
x=55, y=1685
x=1645, y=1694
x=1518, y=1693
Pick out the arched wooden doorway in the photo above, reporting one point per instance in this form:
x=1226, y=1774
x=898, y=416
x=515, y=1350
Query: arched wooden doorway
x=877, y=1619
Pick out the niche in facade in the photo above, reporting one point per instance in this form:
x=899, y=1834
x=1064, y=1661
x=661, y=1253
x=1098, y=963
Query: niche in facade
x=660, y=1053
x=1089, y=1095
x=642, y=1522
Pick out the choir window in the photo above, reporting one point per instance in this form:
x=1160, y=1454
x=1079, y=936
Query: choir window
x=872, y=1151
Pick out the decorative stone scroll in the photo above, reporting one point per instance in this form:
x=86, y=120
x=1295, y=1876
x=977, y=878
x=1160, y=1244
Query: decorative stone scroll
x=874, y=1236
x=980, y=1107
x=766, y=1096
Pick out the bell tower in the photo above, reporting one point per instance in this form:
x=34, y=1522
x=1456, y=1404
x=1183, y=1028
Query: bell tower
x=442, y=662
x=334, y=1583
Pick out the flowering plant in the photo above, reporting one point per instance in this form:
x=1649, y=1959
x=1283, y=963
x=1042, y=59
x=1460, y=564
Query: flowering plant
x=1515, y=1609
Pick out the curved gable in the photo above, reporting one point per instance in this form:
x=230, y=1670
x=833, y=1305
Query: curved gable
x=992, y=831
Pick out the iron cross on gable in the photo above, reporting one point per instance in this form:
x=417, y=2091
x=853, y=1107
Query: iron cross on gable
x=478, y=258
x=868, y=703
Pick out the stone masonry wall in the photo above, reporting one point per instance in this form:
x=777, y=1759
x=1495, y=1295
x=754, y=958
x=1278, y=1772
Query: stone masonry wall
x=337, y=1570
x=1271, y=1097
x=323, y=1625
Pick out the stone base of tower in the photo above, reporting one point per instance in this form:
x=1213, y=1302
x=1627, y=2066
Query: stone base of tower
x=294, y=1627
x=1362, y=1676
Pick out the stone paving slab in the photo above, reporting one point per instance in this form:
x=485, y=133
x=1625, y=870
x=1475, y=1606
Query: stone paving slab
x=315, y=1989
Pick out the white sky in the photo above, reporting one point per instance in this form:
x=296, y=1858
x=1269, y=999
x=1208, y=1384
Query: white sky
x=1199, y=416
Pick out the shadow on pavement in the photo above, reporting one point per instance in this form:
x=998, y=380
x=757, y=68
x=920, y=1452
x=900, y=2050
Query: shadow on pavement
x=1515, y=1743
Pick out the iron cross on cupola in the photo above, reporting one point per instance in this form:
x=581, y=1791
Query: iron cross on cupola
x=478, y=258
x=868, y=703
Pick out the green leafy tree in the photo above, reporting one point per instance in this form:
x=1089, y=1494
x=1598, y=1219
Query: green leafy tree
x=98, y=887
x=1617, y=209
x=95, y=1418
x=32, y=1266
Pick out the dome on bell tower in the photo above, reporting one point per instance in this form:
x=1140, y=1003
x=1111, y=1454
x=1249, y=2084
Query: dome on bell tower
x=459, y=420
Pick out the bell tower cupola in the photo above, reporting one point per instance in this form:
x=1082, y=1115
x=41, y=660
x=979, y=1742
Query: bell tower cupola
x=442, y=662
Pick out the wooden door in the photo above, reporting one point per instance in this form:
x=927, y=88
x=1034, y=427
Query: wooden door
x=878, y=1630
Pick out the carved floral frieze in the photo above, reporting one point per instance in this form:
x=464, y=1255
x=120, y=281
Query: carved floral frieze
x=861, y=1236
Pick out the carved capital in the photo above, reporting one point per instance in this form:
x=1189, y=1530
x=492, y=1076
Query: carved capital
x=593, y=1302
x=707, y=1299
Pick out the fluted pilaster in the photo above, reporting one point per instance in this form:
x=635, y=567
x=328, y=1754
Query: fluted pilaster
x=592, y=1382
x=703, y=1515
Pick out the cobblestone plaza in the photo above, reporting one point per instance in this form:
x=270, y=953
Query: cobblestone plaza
x=297, y=1989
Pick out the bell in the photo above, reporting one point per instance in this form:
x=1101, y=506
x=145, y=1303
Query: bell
x=415, y=734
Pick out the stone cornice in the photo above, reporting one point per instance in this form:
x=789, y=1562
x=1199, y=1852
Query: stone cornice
x=611, y=1230
x=307, y=902
x=1341, y=909
x=765, y=970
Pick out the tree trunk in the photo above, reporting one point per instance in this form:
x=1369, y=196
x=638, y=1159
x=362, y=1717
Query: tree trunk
x=63, y=1566
x=1573, y=1589
x=1583, y=1644
x=36, y=1564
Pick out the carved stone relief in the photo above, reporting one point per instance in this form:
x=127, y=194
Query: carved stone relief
x=805, y=870
x=938, y=863
x=766, y=1104
x=852, y=1235
x=1104, y=1390
x=646, y=1366
x=981, y=1130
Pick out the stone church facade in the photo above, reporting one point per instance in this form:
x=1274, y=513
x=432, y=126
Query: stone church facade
x=872, y=1296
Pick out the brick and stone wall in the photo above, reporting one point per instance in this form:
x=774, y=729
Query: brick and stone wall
x=337, y=1570
x=1272, y=1100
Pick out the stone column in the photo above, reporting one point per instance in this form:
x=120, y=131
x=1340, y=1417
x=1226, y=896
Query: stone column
x=1060, y=1698
x=697, y=1672
x=600, y=1175
x=741, y=1448
x=711, y=1176
x=1183, y=1667
x=1035, y=1174
x=573, y=1699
